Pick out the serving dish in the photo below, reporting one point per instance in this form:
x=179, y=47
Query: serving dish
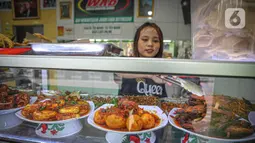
x=60, y=128
x=156, y=110
x=148, y=137
x=174, y=123
x=216, y=117
x=92, y=106
x=8, y=118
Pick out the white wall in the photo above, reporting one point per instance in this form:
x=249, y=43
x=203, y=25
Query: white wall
x=235, y=87
x=167, y=14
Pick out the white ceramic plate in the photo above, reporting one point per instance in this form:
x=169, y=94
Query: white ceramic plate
x=92, y=107
x=32, y=100
x=118, y=138
x=171, y=121
x=50, y=92
x=154, y=109
x=59, y=130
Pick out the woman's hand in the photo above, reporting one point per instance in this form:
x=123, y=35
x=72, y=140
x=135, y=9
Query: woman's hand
x=155, y=78
x=158, y=80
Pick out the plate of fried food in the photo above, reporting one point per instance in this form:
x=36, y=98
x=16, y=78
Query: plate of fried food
x=16, y=102
x=127, y=117
x=10, y=102
x=217, y=117
x=56, y=109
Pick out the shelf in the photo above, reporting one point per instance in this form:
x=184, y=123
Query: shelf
x=134, y=65
x=26, y=133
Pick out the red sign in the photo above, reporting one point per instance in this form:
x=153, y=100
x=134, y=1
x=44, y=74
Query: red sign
x=102, y=3
x=104, y=11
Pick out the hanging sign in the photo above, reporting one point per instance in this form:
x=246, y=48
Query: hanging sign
x=104, y=11
x=102, y=29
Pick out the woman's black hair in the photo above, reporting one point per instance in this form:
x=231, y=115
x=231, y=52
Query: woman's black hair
x=137, y=35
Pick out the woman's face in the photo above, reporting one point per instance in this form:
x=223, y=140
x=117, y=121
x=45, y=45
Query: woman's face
x=148, y=42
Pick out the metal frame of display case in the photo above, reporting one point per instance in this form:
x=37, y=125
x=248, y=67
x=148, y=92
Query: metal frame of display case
x=116, y=64
x=133, y=65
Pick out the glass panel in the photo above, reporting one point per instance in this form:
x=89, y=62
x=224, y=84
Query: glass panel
x=229, y=100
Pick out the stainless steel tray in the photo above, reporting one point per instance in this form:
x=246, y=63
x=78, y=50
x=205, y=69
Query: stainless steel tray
x=75, y=49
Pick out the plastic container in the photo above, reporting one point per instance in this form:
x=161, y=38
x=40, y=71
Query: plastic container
x=223, y=29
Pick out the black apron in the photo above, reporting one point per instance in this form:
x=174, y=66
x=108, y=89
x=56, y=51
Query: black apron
x=142, y=86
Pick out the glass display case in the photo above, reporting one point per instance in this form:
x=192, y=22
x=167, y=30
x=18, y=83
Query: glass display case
x=228, y=87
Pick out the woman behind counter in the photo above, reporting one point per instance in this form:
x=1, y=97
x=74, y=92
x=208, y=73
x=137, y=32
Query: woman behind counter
x=148, y=43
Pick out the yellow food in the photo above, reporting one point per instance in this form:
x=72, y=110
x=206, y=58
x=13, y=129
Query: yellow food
x=114, y=121
x=19, y=44
x=82, y=103
x=134, y=123
x=140, y=111
x=44, y=115
x=125, y=116
x=28, y=110
x=5, y=42
x=83, y=112
x=66, y=116
x=42, y=37
x=56, y=108
x=70, y=109
x=26, y=41
x=148, y=121
x=99, y=118
x=62, y=102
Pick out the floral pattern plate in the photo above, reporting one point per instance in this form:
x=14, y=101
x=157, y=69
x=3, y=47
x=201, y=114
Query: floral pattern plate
x=154, y=109
x=92, y=107
x=173, y=123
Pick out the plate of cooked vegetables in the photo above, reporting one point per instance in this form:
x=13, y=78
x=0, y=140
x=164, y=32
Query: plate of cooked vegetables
x=127, y=117
x=217, y=117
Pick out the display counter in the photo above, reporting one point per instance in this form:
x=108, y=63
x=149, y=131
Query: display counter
x=243, y=71
x=26, y=133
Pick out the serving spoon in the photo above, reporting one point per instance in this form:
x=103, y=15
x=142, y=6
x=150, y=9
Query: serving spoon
x=187, y=85
x=251, y=118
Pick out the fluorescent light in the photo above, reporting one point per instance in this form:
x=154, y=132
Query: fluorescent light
x=105, y=40
x=149, y=12
x=167, y=40
x=98, y=40
x=91, y=40
x=67, y=48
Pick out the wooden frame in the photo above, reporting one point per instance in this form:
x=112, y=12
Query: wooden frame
x=144, y=6
x=50, y=4
x=23, y=9
x=65, y=10
x=5, y=5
